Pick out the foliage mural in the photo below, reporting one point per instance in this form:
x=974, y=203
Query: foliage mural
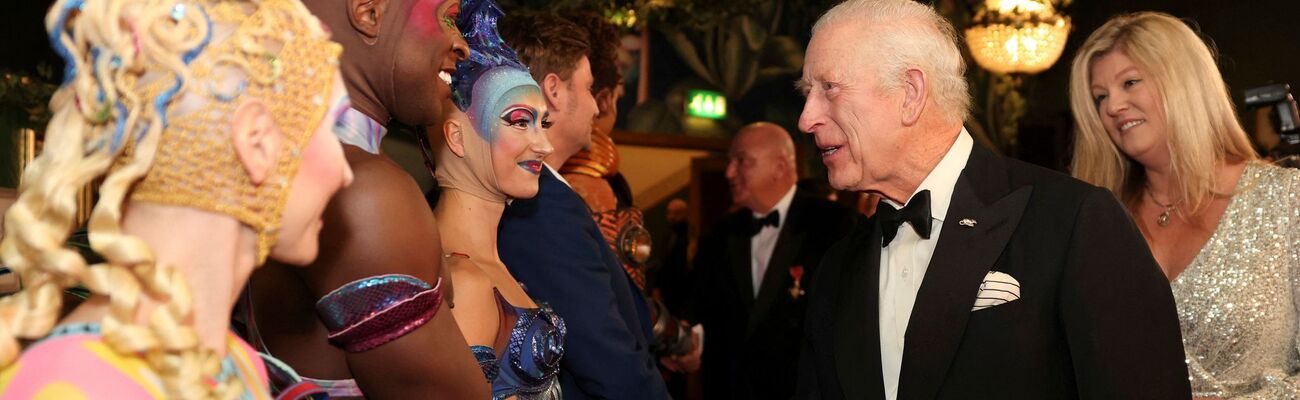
x=733, y=46
x=729, y=46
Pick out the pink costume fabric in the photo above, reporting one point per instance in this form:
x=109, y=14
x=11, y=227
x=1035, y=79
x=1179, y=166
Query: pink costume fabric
x=75, y=363
x=370, y=312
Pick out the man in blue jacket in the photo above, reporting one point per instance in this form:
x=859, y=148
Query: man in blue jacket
x=551, y=244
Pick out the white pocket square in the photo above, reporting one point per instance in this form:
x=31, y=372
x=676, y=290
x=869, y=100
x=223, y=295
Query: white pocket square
x=998, y=288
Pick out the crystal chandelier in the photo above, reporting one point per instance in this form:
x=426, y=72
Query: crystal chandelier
x=1017, y=36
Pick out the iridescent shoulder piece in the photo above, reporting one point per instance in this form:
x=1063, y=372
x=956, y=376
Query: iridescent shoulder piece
x=370, y=312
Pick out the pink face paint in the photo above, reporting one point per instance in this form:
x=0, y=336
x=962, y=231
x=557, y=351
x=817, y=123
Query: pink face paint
x=434, y=17
x=500, y=92
x=519, y=115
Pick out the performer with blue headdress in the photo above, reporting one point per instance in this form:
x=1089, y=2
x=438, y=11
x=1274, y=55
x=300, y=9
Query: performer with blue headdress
x=490, y=150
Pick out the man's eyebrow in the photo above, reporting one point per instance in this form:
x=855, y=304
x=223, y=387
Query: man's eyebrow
x=802, y=86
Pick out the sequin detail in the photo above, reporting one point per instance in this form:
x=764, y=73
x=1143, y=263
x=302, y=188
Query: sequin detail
x=532, y=356
x=1236, y=301
x=370, y=312
x=487, y=361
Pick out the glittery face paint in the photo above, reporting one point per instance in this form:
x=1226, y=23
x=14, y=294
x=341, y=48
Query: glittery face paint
x=518, y=121
x=449, y=18
x=495, y=92
x=428, y=48
x=510, y=114
x=433, y=18
x=518, y=140
x=520, y=116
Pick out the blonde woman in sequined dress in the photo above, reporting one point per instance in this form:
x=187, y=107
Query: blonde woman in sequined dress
x=1157, y=127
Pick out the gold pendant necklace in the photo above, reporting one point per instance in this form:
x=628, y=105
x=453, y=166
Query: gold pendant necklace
x=1163, y=219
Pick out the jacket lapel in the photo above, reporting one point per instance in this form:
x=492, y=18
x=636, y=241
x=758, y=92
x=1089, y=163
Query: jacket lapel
x=738, y=245
x=856, y=340
x=963, y=256
x=788, y=243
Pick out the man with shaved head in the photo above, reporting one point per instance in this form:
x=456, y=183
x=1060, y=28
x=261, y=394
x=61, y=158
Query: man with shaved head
x=753, y=269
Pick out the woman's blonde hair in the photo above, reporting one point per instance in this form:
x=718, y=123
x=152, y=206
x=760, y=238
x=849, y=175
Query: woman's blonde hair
x=151, y=85
x=1202, y=122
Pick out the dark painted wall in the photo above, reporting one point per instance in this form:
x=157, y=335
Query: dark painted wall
x=22, y=25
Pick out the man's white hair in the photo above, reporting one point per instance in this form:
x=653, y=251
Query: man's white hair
x=904, y=34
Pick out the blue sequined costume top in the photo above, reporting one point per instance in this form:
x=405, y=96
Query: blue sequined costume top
x=527, y=356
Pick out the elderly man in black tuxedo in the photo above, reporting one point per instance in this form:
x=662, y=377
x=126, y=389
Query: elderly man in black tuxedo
x=979, y=277
x=753, y=269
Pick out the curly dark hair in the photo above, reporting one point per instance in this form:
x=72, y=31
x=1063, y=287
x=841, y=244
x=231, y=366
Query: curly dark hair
x=604, y=38
x=546, y=42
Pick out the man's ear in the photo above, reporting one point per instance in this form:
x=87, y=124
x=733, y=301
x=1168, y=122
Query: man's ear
x=788, y=165
x=605, y=101
x=551, y=89
x=365, y=16
x=454, y=135
x=256, y=139
x=915, y=95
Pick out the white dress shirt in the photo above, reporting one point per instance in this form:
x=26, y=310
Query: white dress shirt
x=903, y=263
x=762, y=244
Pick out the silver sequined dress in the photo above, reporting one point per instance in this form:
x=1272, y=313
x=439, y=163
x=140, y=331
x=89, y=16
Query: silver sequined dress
x=1237, y=301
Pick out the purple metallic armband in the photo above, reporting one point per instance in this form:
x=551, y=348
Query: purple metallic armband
x=369, y=312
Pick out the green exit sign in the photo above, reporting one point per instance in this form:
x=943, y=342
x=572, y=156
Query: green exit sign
x=706, y=104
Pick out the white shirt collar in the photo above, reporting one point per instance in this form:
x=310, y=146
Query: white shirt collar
x=943, y=178
x=783, y=206
x=557, y=175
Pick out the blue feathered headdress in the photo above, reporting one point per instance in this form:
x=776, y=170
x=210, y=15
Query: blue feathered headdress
x=478, y=24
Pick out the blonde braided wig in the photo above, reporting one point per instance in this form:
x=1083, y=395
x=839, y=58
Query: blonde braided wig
x=146, y=103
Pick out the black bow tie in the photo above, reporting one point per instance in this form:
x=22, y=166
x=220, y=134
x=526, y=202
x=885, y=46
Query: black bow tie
x=772, y=219
x=916, y=212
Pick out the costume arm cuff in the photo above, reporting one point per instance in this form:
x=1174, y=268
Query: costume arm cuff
x=369, y=312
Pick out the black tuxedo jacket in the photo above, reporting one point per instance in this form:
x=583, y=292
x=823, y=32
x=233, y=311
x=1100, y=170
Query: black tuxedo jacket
x=1095, y=320
x=751, y=343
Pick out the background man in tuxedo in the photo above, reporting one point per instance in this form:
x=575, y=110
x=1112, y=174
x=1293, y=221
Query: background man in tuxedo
x=1007, y=281
x=753, y=269
x=551, y=244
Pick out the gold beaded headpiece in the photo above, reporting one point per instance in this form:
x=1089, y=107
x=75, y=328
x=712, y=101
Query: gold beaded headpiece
x=271, y=56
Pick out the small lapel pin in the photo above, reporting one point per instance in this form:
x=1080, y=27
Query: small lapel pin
x=967, y=222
